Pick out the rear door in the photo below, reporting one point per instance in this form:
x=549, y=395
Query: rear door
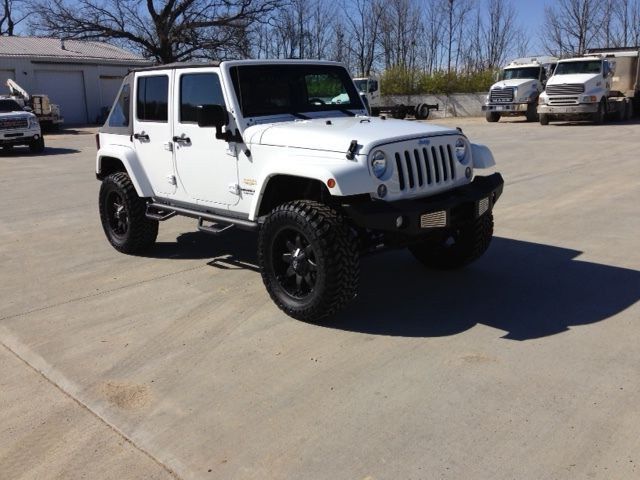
x=207, y=168
x=152, y=129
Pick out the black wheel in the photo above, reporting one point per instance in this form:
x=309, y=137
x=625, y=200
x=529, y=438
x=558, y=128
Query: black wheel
x=599, y=116
x=532, y=114
x=308, y=259
x=422, y=112
x=399, y=112
x=544, y=119
x=492, y=117
x=122, y=214
x=37, y=146
x=455, y=249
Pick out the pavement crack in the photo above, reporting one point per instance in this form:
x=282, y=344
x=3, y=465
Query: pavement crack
x=93, y=413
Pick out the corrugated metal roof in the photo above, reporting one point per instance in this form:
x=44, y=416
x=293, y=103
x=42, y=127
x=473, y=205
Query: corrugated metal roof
x=63, y=50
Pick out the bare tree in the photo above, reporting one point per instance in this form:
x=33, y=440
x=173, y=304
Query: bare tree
x=573, y=25
x=167, y=31
x=12, y=13
x=363, y=21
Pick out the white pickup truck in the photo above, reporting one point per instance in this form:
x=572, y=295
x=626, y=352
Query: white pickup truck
x=262, y=146
x=19, y=127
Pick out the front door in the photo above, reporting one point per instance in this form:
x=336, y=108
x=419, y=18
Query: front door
x=152, y=129
x=207, y=167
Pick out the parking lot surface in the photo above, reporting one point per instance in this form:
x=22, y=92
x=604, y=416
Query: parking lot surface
x=178, y=365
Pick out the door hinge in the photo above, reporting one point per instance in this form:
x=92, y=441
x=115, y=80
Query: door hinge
x=234, y=188
x=172, y=180
x=168, y=146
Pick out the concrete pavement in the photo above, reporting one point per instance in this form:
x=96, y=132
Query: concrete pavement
x=177, y=365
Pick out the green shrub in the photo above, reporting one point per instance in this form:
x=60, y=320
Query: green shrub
x=404, y=81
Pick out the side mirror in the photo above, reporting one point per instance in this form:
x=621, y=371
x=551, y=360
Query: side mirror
x=212, y=116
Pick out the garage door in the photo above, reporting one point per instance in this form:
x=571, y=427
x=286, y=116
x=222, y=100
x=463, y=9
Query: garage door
x=4, y=75
x=65, y=89
x=109, y=87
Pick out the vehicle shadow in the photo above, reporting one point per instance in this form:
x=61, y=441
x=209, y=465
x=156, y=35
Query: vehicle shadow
x=528, y=290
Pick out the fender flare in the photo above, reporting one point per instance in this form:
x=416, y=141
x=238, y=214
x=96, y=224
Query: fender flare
x=127, y=156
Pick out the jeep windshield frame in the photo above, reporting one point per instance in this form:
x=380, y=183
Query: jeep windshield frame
x=281, y=89
x=7, y=105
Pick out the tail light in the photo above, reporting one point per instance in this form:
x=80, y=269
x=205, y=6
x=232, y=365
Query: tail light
x=97, y=141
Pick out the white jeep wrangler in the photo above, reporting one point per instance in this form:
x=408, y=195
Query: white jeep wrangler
x=19, y=127
x=259, y=145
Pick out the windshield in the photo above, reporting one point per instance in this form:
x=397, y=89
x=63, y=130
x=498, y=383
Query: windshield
x=361, y=85
x=525, y=72
x=9, y=106
x=293, y=89
x=566, y=68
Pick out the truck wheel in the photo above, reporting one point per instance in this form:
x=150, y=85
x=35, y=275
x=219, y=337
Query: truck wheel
x=628, y=110
x=122, y=213
x=308, y=259
x=422, y=112
x=457, y=248
x=599, y=116
x=544, y=119
x=492, y=117
x=532, y=114
x=37, y=146
x=399, y=112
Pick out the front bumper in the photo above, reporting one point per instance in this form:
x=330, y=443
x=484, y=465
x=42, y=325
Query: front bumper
x=505, y=107
x=420, y=216
x=23, y=137
x=577, y=109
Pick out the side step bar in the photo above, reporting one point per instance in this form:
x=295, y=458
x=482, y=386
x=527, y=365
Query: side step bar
x=161, y=212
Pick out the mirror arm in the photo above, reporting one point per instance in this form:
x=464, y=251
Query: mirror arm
x=228, y=136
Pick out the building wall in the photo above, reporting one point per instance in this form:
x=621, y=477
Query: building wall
x=98, y=84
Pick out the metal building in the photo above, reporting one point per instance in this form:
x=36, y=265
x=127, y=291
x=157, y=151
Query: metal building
x=82, y=77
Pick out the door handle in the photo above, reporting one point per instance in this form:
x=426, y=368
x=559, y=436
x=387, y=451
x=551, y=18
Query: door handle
x=182, y=139
x=141, y=136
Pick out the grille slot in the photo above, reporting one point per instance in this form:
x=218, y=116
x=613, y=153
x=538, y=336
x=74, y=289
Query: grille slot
x=566, y=89
x=420, y=168
x=501, y=95
x=13, y=123
x=563, y=101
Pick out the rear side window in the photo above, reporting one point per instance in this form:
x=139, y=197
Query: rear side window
x=198, y=89
x=151, y=104
x=119, y=116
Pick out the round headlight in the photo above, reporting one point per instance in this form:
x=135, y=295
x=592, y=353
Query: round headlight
x=461, y=150
x=379, y=163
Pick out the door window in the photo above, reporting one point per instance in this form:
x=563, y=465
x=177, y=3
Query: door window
x=198, y=89
x=152, y=98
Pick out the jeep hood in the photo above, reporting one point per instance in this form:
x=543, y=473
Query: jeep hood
x=16, y=114
x=336, y=134
x=514, y=82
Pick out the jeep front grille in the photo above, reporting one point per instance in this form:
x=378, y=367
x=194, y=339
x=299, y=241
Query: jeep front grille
x=501, y=95
x=426, y=166
x=566, y=89
x=13, y=123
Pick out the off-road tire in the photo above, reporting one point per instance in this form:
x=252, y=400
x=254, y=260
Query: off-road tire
x=531, y=114
x=469, y=243
x=37, y=146
x=141, y=232
x=492, y=117
x=544, y=119
x=599, y=116
x=334, y=252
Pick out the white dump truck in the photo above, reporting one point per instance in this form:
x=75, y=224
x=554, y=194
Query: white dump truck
x=601, y=84
x=517, y=90
x=369, y=88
